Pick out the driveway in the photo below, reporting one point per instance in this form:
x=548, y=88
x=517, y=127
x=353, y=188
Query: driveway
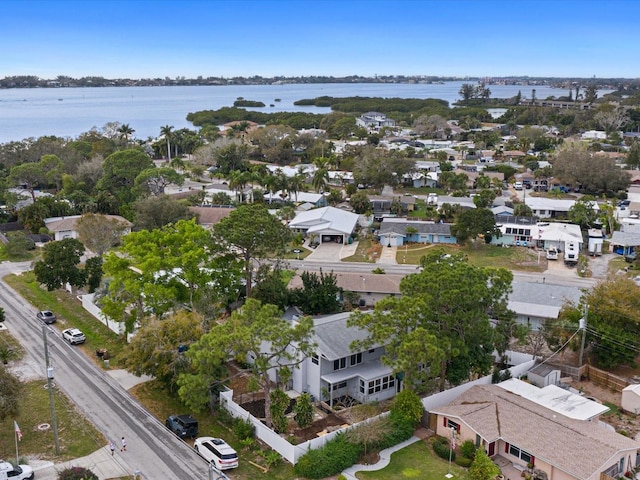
x=326, y=252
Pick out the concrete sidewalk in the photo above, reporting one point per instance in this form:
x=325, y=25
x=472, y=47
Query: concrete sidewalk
x=385, y=458
x=99, y=462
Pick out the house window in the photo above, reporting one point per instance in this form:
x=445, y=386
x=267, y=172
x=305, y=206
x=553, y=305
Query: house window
x=372, y=350
x=314, y=359
x=340, y=363
x=356, y=359
x=451, y=424
x=336, y=386
x=361, y=386
x=521, y=454
x=380, y=384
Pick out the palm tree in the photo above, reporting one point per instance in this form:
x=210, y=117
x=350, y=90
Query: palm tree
x=166, y=131
x=321, y=175
x=125, y=132
x=296, y=184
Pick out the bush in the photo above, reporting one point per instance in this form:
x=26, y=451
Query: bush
x=333, y=458
x=401, y=430
x=303, y=411
x=243, y=429
x=77, y=473
x=468, y=449
x=464, y=461
x=408, y=405
x=441, y=448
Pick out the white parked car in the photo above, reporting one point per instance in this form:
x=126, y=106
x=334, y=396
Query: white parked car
x=21, y=472
x=216, y=451
x=73, y=336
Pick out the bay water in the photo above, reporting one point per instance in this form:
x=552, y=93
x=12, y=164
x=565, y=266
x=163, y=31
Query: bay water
x=68, y=112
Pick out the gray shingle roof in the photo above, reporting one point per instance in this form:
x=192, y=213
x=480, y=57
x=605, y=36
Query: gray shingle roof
x=399, y=226
x=333, y=337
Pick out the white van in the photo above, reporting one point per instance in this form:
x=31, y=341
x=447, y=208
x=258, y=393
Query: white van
x=517, y=185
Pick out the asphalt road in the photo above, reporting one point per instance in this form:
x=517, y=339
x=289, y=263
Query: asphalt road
x=550, y=277
x=154, y=450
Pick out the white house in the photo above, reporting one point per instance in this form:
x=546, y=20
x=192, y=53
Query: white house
x=66, y=227
x=551, y=207
x=337, y=371
x=325, y=224
x=374, y=120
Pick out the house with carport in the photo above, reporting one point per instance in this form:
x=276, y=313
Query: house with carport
x=522, y=435
x=327, y=224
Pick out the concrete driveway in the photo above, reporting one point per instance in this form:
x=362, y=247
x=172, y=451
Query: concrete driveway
x=326, y=252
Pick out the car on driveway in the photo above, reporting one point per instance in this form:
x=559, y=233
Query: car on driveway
x=21, y=472
x=182, y=425
x=216, y=451
x=47, y=316
x=73, y=336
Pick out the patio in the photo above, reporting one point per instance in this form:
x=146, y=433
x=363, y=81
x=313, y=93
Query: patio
x=510, y=471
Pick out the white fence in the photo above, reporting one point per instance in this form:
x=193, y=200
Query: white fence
x=93, y=309
x=292, y=453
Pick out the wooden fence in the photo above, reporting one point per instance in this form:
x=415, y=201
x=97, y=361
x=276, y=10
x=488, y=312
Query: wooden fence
x=606, y=379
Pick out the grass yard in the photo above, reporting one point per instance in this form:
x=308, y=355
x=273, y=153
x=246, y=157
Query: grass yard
x=479, y=254
x=416, y=462
x=77, y=436
x=69, y=313
x=367, y=251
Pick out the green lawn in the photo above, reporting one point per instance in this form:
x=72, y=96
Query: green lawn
x=479, y=254
x=69, y=313
x=367, y=251
x=416, y=462
x=77, y=436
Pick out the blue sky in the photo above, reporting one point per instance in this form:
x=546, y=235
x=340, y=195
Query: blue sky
x=169, y=38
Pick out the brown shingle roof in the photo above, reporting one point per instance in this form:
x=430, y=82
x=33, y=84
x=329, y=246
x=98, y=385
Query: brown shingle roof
x=361, y=282
x=577, y=447
x=211, y=215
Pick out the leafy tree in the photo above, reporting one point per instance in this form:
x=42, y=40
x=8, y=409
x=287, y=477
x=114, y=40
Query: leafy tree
x=156, y=270
x=254, y=234
x=633, y=155
x=30, y=175
x=613, y=326
x=158, y=348
x=360, y=203
x=485, y=198
x=407, y=404
x=319, y=295
x=156, y=212
x=18, y=245
x=93, y=269
x=441, y=321
x=473, y=222
x=60, y=264
x=594, y=173
x=99, y=232
x=32, y=216
x=154, y=180
x=279, y=403
x=270, y=287
x=583, y=213
x=256, y=334
x=522, y=210
x=303, y=411
x=10, y=393
x=483, y=467
x=120, y=170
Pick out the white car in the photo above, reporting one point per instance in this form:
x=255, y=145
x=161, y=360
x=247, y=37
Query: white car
x=73, y=336
x=216, y=451
x=21, y=472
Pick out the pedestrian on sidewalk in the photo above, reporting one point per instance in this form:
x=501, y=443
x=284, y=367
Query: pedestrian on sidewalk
x=112, y=447
x=124, y=445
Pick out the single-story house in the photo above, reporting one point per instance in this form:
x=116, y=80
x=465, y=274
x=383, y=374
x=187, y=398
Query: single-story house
x=393, y=232
x=534, y=303
x=66, y=227
x=209, y=215
x=370, y=287
x=516, y=432
x=529, y=232
x=336, y=371
x=551, y=207
x=381, y=204
x=325, y=224
x=316, y=199
x=624, y=243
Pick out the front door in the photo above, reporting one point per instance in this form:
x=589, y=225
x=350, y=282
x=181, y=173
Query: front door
x=492, y=449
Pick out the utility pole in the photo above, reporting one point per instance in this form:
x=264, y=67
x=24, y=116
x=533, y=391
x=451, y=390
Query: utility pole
x=54, y=422
x=583, y=327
